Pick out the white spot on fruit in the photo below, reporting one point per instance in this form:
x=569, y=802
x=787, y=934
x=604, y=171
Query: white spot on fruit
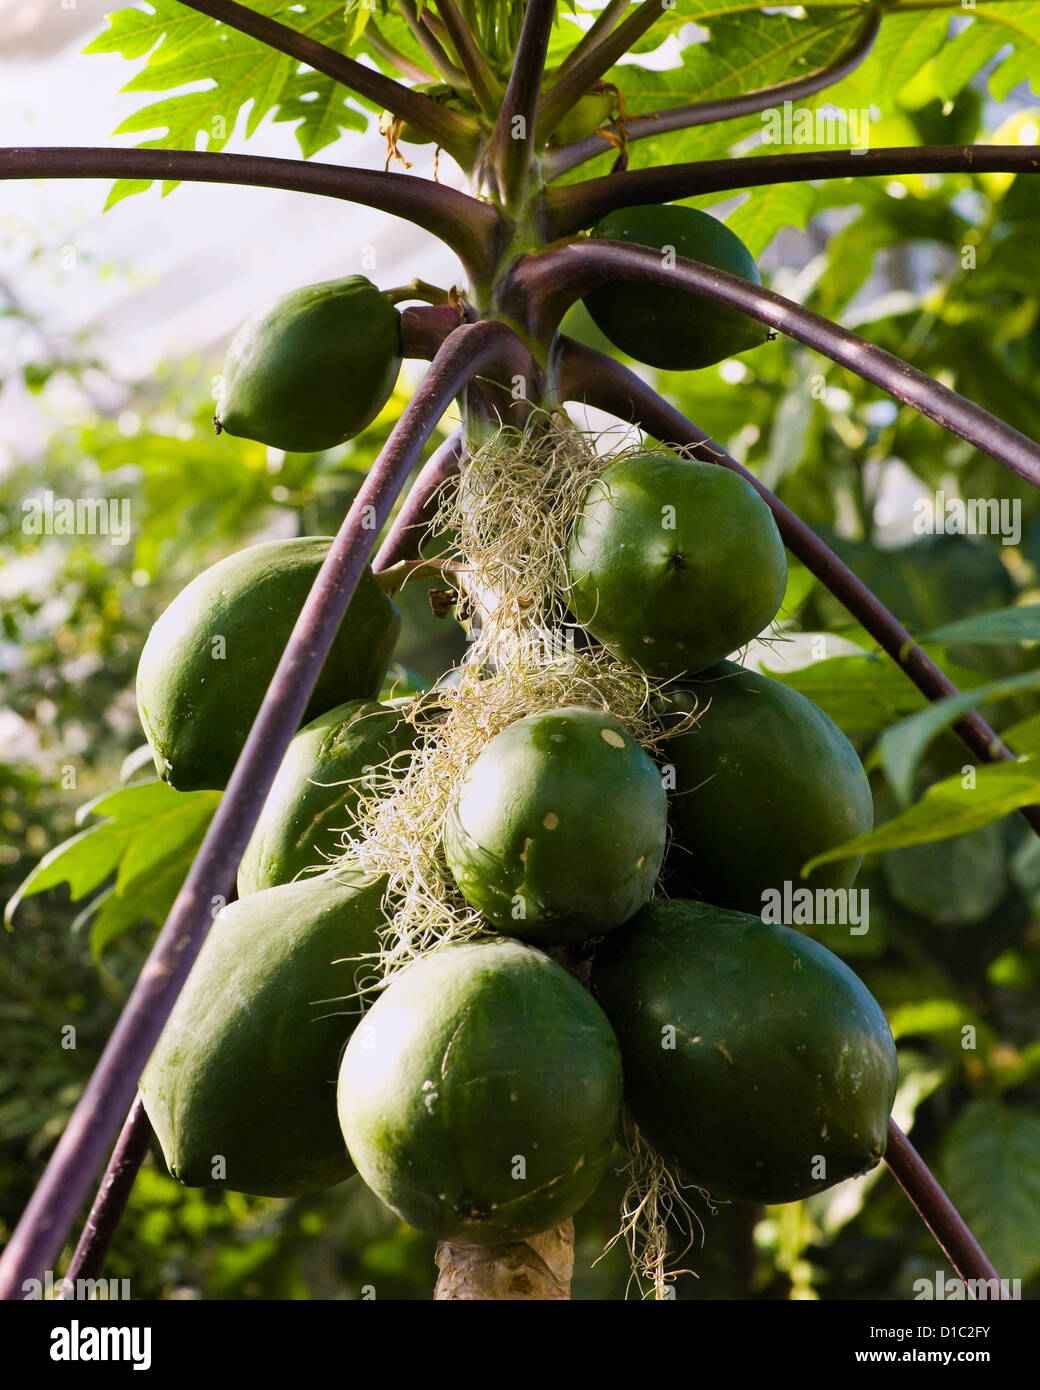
x=551, y=820
x=612, y=737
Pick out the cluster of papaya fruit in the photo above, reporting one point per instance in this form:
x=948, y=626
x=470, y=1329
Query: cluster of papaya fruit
x=480, y=1095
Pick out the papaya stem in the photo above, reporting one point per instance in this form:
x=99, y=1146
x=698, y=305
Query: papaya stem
x=471, y=228
x=695, y=113
x=941, y=1217
x=405, y=536
x=384, y=49
x=110, y=1201
x=537, y=1268
x=582, y=374
x=483, y=83
x=446, y=127
x=37, y=1240
x=418, y=289
x=567, y=210
x=554, y=279
x=513, y=139
x=556, y=102
x=393, y=579
x=594, y=34
x=431, y=46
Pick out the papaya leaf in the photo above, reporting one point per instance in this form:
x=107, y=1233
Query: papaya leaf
x=947, y=809
x=902, y=746
x=1020, y=624
x=990, y=1165
x=1009, y=33
x=860, y=693
x=148, y=839
x=321, y=106
x=1023, y=738
x=182, y=48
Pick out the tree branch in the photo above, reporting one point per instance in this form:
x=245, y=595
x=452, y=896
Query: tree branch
x=594, y=34
x=512, y=158
x=593, y=63
x=941, y=1217
x=404, y=538
x=481, y=78
x=553, y=280
x=596, y=379
x=471, y=228
x=695, y=113
x=111, y=1199
x=431, y=46
x=567, y=210
x=40, y=1234
x=445, y=126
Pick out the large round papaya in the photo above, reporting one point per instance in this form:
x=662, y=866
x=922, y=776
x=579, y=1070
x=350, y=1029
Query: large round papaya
x=559, y=827
x=763, y=782
x=754, y=1059
x=209, y=659
x=312, y=369
x=317, y=790
x=240, y=1089
x=674, y=564
x=480, y=1098
x=670, y=328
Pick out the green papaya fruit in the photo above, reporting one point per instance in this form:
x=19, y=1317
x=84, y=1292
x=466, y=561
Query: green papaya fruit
x=317, y=790
x=480, y=1098
x=587, y=115
x=312, y=369
x=245, y=1069
x=668, y=328
x=558, y=830
x=674, y=564
x=764, y=781
x=754, y=1058
x=209, y=658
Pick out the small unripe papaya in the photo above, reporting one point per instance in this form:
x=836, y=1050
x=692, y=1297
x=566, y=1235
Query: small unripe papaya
x=312, y=369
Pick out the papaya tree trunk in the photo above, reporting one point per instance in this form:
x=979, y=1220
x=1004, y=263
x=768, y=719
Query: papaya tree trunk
x=538, y=1268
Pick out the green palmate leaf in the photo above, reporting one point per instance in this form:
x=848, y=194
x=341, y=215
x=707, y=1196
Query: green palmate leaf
x=769, y=210
x=990, y=1166
x=148, y=840
x=1011, y=29
x=183, y=48
x=322, y=108
x=901, y=747
x=860, y=693
x=1002, y=625
x=947, y=809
